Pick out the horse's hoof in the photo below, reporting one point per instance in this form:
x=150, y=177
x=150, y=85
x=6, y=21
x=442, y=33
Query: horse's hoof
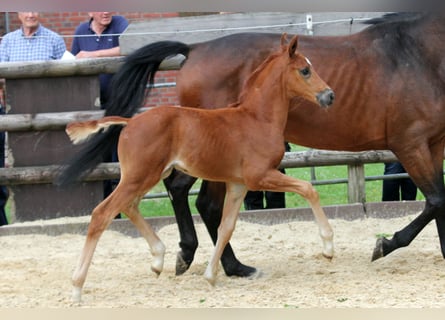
x=240, y=270
x=181, y=265
x=378, y=250
x=257, y=274
x=211, y=280
x=210, y=276
x=328, y=256
x=76, y=295
x=156, y=271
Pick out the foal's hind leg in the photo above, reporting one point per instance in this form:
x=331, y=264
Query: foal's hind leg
x=123, y=199
x=274, y=180
x=157, y=248
x=101, y=218
x=234, y=198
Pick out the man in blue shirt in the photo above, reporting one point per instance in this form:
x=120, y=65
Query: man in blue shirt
x=99, y=37
x=31, y=42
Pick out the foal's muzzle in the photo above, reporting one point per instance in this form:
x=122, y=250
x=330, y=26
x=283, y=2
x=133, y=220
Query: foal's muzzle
x=326, y=97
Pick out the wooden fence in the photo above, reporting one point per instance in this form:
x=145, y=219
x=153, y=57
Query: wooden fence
x=57, y=121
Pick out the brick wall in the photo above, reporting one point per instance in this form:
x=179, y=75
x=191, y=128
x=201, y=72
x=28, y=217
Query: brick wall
x=65, y=24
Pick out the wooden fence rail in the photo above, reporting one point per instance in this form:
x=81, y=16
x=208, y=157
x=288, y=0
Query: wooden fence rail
x=58, y=120
x=311, y=158
x=298, y=159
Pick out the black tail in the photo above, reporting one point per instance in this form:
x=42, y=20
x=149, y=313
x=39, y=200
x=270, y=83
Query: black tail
x=127, y=92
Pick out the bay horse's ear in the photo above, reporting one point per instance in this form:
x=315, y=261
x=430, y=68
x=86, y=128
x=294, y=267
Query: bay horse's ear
x=293, y=46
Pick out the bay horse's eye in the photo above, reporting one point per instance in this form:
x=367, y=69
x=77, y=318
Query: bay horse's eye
x=305, y=72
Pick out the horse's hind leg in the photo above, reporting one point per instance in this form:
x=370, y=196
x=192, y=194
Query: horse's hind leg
x=125, y=198
x=210, y=204
x=157, y=248
x=234, y=198
x=101, y=218
x=178, y=185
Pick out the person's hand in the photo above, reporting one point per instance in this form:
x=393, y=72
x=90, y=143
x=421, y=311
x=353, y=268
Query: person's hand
x=85, y=54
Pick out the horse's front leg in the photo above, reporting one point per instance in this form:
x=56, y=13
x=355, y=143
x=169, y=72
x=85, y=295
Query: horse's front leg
x=274, y=180
x=178, y=185
x=425, y=167
x=235, y=194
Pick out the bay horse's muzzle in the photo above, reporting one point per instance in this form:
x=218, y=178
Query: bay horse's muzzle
x=326, y=97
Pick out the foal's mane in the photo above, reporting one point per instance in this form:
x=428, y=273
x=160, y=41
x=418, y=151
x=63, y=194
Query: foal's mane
x=254, y=75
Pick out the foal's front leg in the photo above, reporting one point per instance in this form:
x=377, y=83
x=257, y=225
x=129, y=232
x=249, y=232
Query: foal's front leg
x=235, y=194
x=274, y=180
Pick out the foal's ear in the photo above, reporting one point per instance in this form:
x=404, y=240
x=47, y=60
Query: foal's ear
x=293, y=44
x=284, y=39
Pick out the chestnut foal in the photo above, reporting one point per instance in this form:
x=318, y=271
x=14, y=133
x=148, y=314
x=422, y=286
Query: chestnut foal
x=241, y=145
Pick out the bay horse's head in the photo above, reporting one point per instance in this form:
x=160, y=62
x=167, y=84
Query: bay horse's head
x=302, y=80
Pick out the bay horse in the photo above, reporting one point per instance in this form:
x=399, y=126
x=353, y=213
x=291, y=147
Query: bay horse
x=240, y=145
x=389, y=81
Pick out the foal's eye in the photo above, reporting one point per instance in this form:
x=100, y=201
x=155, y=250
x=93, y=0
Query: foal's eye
x=305, y=72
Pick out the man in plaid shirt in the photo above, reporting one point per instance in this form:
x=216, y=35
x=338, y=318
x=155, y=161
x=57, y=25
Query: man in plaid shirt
x=31, y=42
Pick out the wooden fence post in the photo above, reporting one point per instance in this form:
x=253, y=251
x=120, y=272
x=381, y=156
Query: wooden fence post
x=39, y=148
x=356, y=183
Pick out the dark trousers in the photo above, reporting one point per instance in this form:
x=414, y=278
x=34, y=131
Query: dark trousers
x=254, y=200
x=397, y=189
x=110, y=185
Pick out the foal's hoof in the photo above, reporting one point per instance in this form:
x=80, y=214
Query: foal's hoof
x=76, y=295
x=328, y=256
x=156, y=271
x=181, y=265
x=378, y=250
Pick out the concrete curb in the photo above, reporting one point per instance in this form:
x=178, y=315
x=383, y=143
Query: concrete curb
x=381, y=210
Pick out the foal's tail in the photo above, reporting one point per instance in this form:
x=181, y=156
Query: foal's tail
x=126, y=95
x=81, y=131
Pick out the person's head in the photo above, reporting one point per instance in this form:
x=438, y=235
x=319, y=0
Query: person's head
x=101, y=18
x=29, y=20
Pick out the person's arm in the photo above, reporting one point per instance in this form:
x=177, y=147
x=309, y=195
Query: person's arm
x=59, y=48
x=75, y=46
x=113, y=52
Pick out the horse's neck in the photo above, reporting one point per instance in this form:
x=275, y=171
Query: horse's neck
x=266, y=98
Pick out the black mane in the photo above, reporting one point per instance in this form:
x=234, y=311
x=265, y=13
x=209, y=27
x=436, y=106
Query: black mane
x=395, y=17
x=394, y=35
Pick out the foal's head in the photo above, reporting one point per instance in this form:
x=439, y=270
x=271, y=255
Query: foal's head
x=301, y=79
